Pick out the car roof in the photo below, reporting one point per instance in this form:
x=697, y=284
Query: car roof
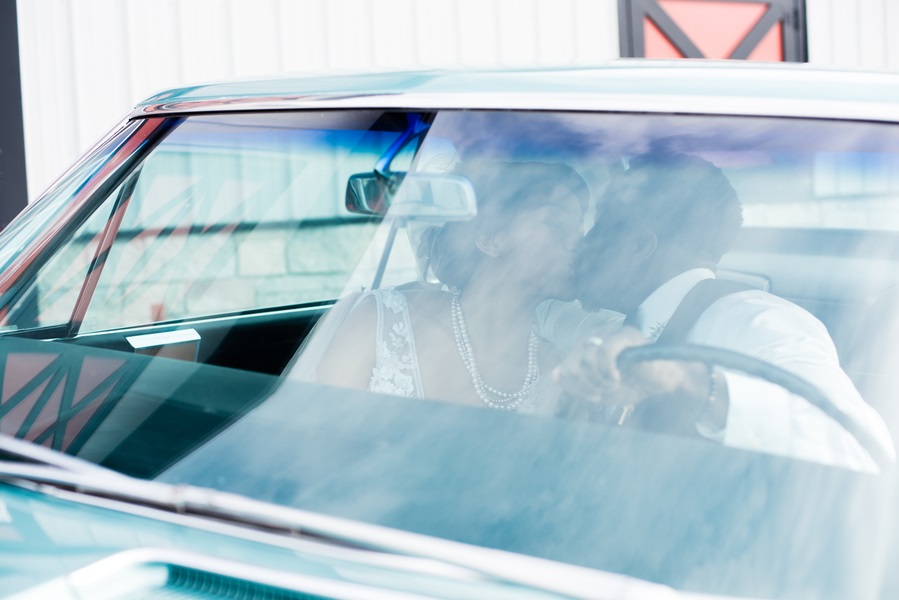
x=693, y=86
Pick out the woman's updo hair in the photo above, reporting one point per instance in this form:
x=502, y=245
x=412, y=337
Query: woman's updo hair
x=503, y=190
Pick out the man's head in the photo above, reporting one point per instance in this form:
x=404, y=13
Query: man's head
x=664, y=214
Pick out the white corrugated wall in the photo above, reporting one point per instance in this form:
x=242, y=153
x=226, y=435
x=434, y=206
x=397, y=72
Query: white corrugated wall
x=86, y=62
x=854, y=33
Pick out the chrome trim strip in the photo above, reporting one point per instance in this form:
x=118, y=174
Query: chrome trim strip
x=562, y=101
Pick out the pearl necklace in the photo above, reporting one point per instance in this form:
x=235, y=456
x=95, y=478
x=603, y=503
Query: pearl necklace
x=489, y=395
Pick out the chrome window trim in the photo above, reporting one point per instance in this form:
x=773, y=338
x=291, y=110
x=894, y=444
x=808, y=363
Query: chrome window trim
x=724, y=105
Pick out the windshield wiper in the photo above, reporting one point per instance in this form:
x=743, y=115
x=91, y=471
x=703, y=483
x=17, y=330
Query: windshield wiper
x=48, y=471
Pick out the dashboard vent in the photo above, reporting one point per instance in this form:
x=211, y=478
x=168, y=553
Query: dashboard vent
x=192, y=584
x=173, y=574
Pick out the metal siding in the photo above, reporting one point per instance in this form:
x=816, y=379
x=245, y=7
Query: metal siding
x=303, y=34
x=437, y=33
x=853, y=34
x=871, y=34
x=86, y=62
x=846, y=38
x=595, y=30
x=393, y=33
x=203, y=33
x=819, y=21
x=888, y=28
x=51, y=136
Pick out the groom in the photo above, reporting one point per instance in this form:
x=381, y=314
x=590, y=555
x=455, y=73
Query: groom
x=662, y=227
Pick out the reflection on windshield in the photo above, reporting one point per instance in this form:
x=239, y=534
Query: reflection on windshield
x=517, y=312
x=716, y=233
x=661, y=346
x=528, y=226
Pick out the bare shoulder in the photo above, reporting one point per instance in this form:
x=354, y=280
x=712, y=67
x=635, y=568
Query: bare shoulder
x=364, y=303
x=427, y=297
x=350, y=337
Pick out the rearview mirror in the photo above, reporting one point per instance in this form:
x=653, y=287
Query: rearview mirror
x=418, y=196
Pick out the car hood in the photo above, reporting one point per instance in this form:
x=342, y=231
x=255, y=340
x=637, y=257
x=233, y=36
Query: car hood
x=73, y=543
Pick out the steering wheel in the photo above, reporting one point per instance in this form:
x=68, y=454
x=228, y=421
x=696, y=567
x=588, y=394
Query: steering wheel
x=718, y=357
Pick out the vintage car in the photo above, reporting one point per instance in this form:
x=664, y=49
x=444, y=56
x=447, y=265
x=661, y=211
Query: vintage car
x=194, y=318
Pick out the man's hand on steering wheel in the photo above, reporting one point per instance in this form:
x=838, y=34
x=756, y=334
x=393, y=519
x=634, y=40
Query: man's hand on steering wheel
x=663, y=395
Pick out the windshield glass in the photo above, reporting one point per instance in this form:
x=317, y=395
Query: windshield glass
x=659, y=345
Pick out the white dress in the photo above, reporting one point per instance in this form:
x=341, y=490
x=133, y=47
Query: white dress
x=397, y=369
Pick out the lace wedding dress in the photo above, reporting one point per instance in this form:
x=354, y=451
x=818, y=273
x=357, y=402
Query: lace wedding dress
x=397, y=370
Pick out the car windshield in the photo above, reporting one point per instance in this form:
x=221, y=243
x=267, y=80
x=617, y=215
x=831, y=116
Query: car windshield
x=414, y=319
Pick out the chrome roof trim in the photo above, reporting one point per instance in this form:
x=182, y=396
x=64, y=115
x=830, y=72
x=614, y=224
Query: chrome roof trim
x=859, y=110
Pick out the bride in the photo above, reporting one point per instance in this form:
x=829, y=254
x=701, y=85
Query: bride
x=473, y=340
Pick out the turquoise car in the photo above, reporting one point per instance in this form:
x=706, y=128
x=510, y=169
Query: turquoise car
x=344, y=337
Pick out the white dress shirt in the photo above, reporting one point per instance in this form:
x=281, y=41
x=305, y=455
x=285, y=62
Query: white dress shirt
x=762, y=416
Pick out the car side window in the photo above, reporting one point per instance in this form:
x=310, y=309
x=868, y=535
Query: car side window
x=227, y=214
x=50, y=299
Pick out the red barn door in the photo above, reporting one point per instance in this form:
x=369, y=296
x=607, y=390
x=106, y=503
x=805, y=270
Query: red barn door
x=772, y=30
